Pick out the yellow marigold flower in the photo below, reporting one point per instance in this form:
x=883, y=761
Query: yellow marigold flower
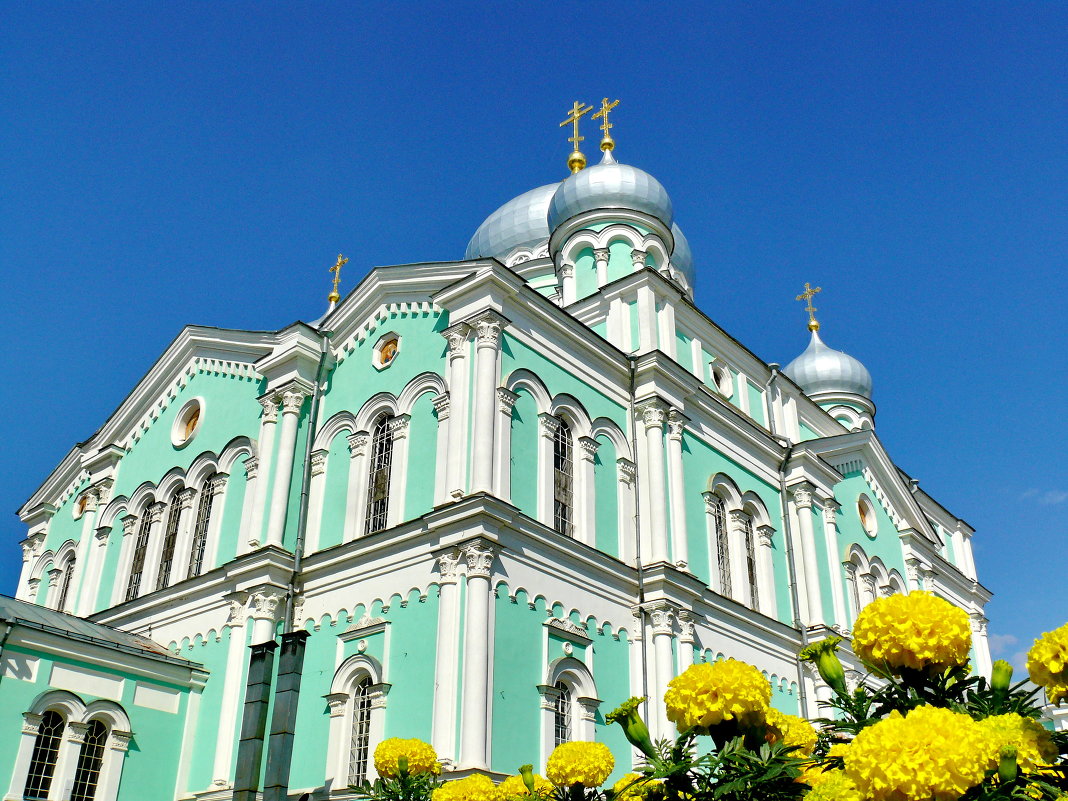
x=931, y=753
x=833, y=785
x=918, y=631
x=792, y=730
x=513, y=787
x=1034, y=745
x=626, y=789
x=708, y=693
x=475, y=787
x=588, y=764
x=1047, y=663
x=421, y=757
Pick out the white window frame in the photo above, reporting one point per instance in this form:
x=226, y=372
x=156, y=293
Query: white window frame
x=574, y=674
x=342, y=708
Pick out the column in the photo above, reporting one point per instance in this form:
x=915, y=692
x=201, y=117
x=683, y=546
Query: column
x=567, y=284
x=356, y=497
x=292, y=399
x=680, y=552
x=585, y=500
x=625, y=474
x=53, y=587
x=740, y=589
x=90, y=589
x=32, y=547
x=661, y=614
x=155, y=548
x=265, y=449
x=85, y=550
x=687, y=638
x=547, y=427
x=980, y=646
x=183, y=543
x=487, y=328
x=315, y=499
x=446, y=668
x=600, y=259
x=854, y=591
x=802, y=498
x=637, y=260
x=476, y=702
x=653, y=414
x=502, y=474
x=245, y=539
x=441, y=403
x=231, y=696
x=458, y=337
x=263, y=608
x=398, y=430
x=834, y=560
x=214, y=533
x=766, y=570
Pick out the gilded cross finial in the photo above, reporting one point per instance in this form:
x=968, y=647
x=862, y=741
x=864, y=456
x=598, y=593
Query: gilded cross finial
x=576, y=161
x=607, y=142
x=334, y=297
x=807, y=295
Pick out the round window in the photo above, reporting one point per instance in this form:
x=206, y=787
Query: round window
x=187, y=422
x=867, y=515
x=721, y=379
x=386, y=350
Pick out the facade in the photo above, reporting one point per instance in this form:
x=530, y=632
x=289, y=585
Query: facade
x=479, y=502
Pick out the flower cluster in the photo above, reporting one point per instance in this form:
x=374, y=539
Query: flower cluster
x=709, y=693
x=629, y=788
x=475, y=787
x=918, y=631
x=1047, y=663
x=832, y=785
x=515, y=788
x=930, y=753
x=588, y=764
x=792, y=731
x=420, y=757
x=1034, y=745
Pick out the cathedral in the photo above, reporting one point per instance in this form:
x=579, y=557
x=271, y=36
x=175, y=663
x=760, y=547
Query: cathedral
x=479, y=502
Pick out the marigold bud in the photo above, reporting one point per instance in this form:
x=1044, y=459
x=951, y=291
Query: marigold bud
x=825, y=654
x=1007, y=764
x=527, y=772
x=1001, y=677
x=637, y=733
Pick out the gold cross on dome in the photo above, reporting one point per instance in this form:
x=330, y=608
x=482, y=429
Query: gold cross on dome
x=576, y=161
x=607, y=143
x=807, y=295
x=334, y=297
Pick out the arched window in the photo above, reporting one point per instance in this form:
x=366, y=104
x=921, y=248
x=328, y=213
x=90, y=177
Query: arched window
x=64, y=584
x=751, y=562
x=170, y=537
x=721, y=538
x=137, y=567
x=378, y=480
x=360, y=738
x=200, y=531
x=563, y=480
x=45, y=755
x=562, y=714
x=90, y=760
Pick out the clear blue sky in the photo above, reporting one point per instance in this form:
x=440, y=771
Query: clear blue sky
x=173, y=163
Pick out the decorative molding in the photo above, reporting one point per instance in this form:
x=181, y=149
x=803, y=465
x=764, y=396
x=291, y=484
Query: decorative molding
x=380, y=315
x=184, y=497
x=548, y=424
x=637, y=258
x=155, y=512
x=252, y=465
x=264, y=605
x=479, y=555
x=601, y=254
x=661, y=614
x=448, y=565
x=653, y=413
x=626, y=471
x=293, y=396
x=270, y=407
x=567, y=270
x=358, y=443
x=120, y=740
x=506, y=400
x=802, y=496
x=488, y=326
x=687, y=625
x=676, y=424
x=764, y=534
x=441, y=406
x=129, y=525
x=569, y=630
x=588, y=448
x=457, y=336
x=31, y=723
x=398, y=426
x=337, y=703
x=318, y=462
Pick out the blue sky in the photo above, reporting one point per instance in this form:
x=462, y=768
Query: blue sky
x=172, y=163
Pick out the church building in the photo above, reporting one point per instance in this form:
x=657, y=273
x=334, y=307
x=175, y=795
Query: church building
x=479, y=502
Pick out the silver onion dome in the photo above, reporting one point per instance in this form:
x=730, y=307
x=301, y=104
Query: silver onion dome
x=518, y=223
x=682, y=256
x=822, y=369
x=609, y=185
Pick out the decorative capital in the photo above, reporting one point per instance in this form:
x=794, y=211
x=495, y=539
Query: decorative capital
x=129, y=524
x=588, y=707
x=184, y=498
x=358, y=443
x=337, y=703
x=120, y=740
x=487, y=327
x=979, y=622
x=448, y=565
x=601, y=254
x=567, y=270
x=103, y=490
x=479, y=555
x=738, y=517
x=653, y=413
x=506, y=400
x=626, y=471
x=830, y=509
x=588, y=448
x=293, y=398
x=218, y=484
x=549, y=425
x=869, y=583
x=441, y=406
x=31, y=723
x=687, y=624
x=53, y=577
x=237, y=614
x=802, y=495
x=91, y=500
x=662, y=614
x=318, y=462
x=851, y=570
x=377, y=693
x=457, y=336
x=398, y=426
x=155, y=512
x=264, y=605
x=637, y=258
x=32, y=585
x=101, y=535
x=252, y=465
x=676, y=423
x=270, y=407
x=712, y=501
x=76, y=732
x=765, y=533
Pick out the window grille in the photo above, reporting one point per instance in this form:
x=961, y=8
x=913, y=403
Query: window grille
x=723, y=554
x=563, y=480
x=378, y=480
x=137, y=569
x=200, y=532
x=170, y=537
x=360, y=744
x=562, y=714
x=43, y=760
x=87, y=775
x=64, y=584
x=750, y=564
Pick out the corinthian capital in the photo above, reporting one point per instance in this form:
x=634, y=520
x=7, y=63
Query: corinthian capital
x=661, y=614
x=448, y=565
x=601, y=254
x=802, y=496
x=637, y=258
x=479, y=556
x=293, y=398
x=457, y=336
x=487, y=327
x=269, y=403
x=653, y=413
x=676, y=423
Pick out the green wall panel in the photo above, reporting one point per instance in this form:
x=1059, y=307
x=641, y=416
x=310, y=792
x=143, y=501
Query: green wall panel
x=606, y=493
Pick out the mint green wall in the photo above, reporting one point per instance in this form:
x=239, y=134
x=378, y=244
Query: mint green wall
x=410, y=668
x=524, y=455
x=109, y=570
x=823, y=564
x=700, y=463
x=517, y=670
x=234, y=499
x=807, y=433
x=312, y=727
x=585, y=273
x=786, y=699
x=601, y=328
x=886, y=544
x=635, y=336
x=683, y=354
x=619, y=261
x=612, y=674
x=212, y=655
x=606, y=494
x=422, y=457
x=756, y=402
x=63, y=526
x=335, y=491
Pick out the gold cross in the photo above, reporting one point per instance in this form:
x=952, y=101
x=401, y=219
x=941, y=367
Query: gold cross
x=334, y=297
x=576, y=161
x=607, y=142
x=807, y=295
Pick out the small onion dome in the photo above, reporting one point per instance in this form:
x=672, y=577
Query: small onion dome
x=609, y=185
x=682, y=256
x=518, y=223
x=821, y=370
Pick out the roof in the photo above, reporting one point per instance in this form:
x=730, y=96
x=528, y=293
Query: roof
x=21, y=613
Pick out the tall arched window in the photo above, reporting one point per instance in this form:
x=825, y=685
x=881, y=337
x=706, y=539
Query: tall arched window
x=751, y=563
x=563, y=480
x=64, y=584
x=360, y=739
x=45, y=755
x=721, y=539
x=90, y=759
x=562, y=714
x=170, y=538
x=137, y=567
x=378, y=480
x=200, y=531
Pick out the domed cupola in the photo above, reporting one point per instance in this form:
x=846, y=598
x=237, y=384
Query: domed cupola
x=837, y=381
x=519, y=225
